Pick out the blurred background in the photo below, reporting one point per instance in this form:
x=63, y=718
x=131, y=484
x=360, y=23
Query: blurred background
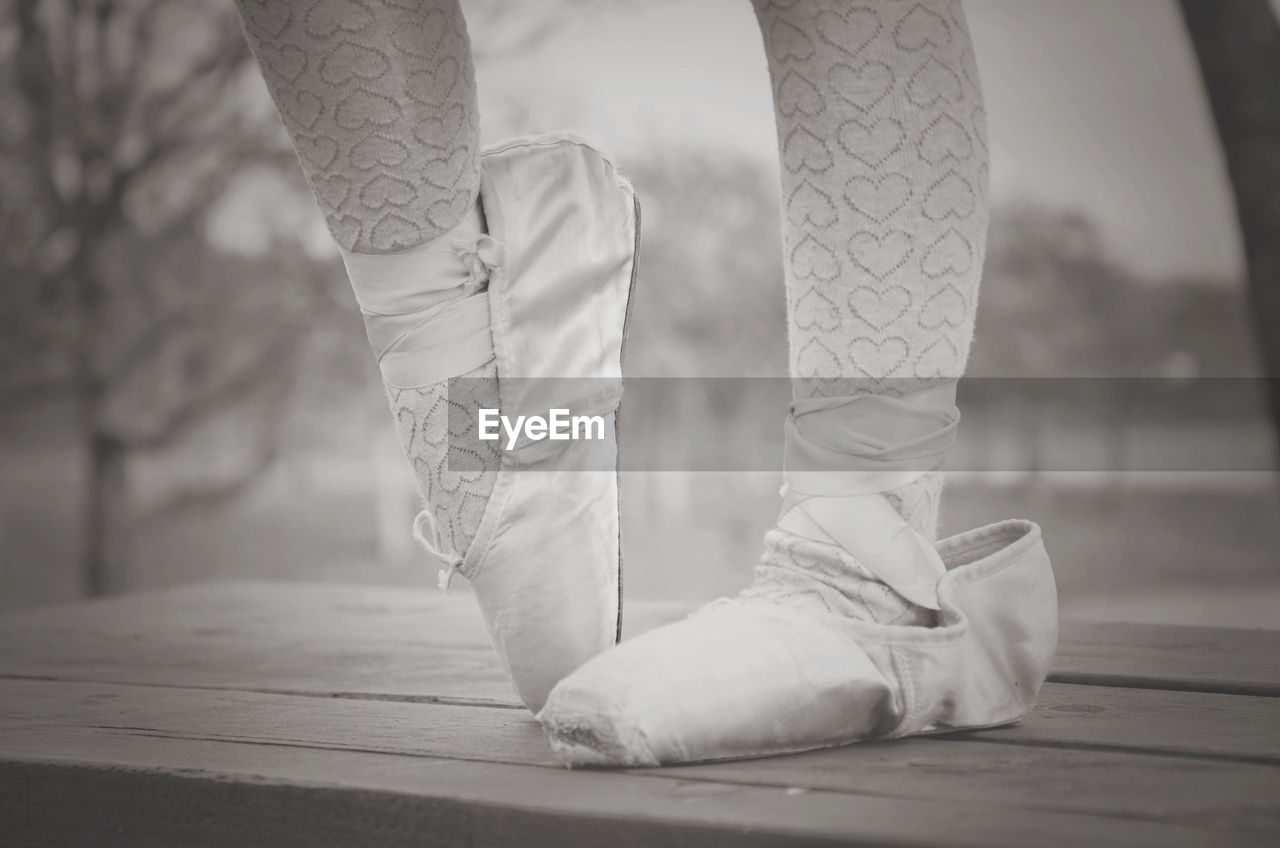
x=186, y=393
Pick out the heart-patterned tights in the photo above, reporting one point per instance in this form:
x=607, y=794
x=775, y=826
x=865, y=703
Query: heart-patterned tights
x=882, y=140
x=881, y=137
x=379, y=98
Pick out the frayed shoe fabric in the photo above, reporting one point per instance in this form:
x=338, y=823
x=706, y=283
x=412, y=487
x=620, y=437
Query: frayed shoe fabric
x=560, y=261
x=774, y=672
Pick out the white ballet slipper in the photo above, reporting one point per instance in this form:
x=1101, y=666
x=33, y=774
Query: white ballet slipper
x=560, y=256
x=761, y=675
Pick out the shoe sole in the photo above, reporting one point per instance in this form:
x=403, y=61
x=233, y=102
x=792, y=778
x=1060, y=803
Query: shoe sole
x=617, y=417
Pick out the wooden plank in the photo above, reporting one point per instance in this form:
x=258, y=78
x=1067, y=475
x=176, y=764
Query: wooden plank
x=1240, y=727
x=402, y=661
x=366, y=640
x=1209, y=793
x=392, y=727
x=1228, y=727
x=321, y=638
x=1204, y=659
x=448, y=803
x=278, y=761
x=270, y=637
x=62, y=806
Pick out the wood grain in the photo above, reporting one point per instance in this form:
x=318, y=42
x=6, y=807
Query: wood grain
x=39, y=717
x=356, y=640
x=1202, y=659
x=419, y=644
x=340, y=715
x=245, y=762
x=380, y=800
x=1239, y=727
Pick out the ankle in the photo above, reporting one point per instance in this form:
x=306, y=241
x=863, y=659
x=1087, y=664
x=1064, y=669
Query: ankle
x=918, y=503
x=880, y=532
x=420, y=314
x=820, y=578
x=417, y=278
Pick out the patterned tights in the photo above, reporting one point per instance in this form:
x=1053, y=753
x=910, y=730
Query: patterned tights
x=881, y=134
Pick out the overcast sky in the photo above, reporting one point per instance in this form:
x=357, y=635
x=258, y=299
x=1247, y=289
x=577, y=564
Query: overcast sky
x=1094, y=105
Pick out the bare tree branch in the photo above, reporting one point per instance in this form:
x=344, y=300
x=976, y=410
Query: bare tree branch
x=274, y=358
x=116, y=149
x=265, y=451
x=35, y=78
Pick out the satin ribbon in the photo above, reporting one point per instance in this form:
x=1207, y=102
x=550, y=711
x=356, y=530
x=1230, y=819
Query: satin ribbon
x=441, y=327
x=415, y=279
x=428, y=321
x=843, y=453
x=430, y=347
x=866, y=443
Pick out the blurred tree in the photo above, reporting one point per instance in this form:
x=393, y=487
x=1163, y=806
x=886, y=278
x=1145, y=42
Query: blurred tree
x=1238, y=46
x=125, y=125
x=1052, y=305
x=710, y=299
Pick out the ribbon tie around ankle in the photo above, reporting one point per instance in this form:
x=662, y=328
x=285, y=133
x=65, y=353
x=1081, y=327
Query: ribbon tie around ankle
x=481, y=254
x=843, y=453
x=421, y=340
x=866, y=443
x=437, y=325
x=427, y=534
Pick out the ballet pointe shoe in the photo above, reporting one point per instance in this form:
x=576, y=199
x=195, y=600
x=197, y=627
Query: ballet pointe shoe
x=560, y=257
x=758, y=675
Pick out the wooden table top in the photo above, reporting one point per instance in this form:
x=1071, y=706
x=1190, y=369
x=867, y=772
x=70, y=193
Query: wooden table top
x=305, y=714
